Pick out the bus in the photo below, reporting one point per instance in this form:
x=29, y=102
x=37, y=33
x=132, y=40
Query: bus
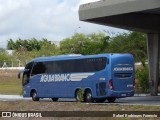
x=100, y=77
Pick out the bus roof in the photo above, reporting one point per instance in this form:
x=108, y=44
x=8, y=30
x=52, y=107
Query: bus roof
x=64, y=57
x=70, y=56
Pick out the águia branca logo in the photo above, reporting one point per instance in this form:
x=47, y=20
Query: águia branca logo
x=64, y=77
x=123, y=69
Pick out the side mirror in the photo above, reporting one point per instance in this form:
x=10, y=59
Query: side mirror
x=19, y=73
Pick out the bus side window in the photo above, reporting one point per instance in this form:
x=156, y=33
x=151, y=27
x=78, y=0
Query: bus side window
x=38, y=68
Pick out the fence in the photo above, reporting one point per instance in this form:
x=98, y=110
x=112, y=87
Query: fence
x=12, y=68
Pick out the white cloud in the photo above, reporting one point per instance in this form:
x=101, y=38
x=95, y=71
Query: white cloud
x=87, y=1
x=51, y=19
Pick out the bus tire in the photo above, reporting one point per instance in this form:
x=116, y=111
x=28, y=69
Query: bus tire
x=34, y=96
x=111, y=99
x=100, y=100
x=88, y=97
x=54, y=99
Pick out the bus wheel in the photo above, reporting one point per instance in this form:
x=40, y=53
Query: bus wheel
x=100, y=100
x=54, y=99
x=88, y=96
x=34, y=96
x=111, y=99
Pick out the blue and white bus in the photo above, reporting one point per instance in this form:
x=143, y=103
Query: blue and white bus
x=101, y=77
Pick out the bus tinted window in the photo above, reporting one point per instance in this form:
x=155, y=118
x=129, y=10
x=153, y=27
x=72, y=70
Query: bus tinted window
x=38, y=68
x=67, y=66
x=26, y=75
x=29, y=66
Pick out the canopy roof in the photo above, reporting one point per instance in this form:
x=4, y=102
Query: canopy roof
x=136, y=15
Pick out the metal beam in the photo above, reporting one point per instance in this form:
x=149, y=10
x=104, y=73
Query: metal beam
x=106, y=8
x=141, y=22
x=135, y=15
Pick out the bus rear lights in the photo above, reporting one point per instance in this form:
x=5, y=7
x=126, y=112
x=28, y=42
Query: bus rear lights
x=111, y=84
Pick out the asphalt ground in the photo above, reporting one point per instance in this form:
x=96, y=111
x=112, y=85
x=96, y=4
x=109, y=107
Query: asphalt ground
x=136, y=100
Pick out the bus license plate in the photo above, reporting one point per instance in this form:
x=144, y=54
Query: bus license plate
x=123, y=95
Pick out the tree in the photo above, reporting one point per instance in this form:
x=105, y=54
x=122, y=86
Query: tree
x=84, y=44
x=2, y=50
x=28, y=49
x=28, y=44
x=73, y=45
x=142, y=76
x=11, y=45
x=4, y=57
x=46, y=49
x=95, y=43
x=133, y=42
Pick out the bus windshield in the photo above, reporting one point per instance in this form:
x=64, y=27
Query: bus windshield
x=26, y=73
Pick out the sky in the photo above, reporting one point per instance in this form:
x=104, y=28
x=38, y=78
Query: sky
x=50, y=19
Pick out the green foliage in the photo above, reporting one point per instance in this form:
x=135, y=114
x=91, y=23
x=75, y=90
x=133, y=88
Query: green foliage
x=133, y=42
x=143, y=77
x=84, y=44
x=26, y=50
x=95, y=43
x=2, y=50
x=80, y=95
x=4, y=57
x=47, y=49
x=75, y=44
x=28, y=45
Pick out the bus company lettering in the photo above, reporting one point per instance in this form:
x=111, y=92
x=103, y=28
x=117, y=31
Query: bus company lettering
x=123, y=69
x=55, y=77
x=64, y=77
